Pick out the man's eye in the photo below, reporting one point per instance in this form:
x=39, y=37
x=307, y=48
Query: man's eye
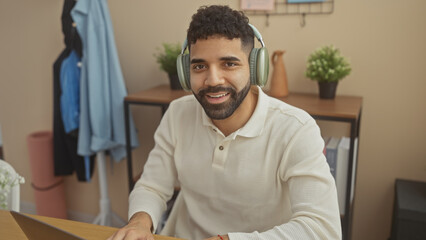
x=198, y=66
x=230, y=64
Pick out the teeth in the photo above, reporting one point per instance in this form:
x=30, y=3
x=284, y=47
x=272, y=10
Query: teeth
x=217, y=96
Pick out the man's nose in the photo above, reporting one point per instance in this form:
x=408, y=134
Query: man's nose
x=214, y=77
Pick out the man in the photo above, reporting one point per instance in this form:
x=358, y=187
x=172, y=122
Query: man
x=249, y=166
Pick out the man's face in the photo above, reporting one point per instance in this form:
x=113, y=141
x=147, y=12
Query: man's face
x=220, y=75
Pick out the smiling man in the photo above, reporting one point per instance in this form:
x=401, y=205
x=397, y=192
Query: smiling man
x=249, y=166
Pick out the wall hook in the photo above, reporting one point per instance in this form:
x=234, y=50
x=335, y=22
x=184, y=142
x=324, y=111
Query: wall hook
x=267, y=20
x=302, y=20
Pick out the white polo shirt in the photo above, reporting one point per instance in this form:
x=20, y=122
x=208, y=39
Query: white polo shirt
x=267, y=180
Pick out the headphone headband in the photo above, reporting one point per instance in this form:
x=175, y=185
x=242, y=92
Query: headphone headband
x=257, y=34
x=255, y=31
x=184, y=45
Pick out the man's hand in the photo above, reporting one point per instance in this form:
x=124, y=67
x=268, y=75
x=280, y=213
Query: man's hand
x=225, y=237
x=138, y=228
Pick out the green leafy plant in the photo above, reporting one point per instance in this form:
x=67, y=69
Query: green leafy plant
x=167, y=56
x=327, y=65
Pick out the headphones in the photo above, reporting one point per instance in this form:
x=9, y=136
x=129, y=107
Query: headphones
x=258, y=61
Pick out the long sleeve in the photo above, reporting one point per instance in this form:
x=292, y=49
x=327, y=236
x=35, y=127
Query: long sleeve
x=312, y=192
x=155, y=187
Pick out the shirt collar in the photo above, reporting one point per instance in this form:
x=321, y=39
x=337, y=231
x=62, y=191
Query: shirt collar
x=256, y=122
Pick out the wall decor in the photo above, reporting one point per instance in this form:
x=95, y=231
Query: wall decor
x=294, y=7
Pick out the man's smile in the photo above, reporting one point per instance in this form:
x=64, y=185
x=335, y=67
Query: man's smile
x=216, y=98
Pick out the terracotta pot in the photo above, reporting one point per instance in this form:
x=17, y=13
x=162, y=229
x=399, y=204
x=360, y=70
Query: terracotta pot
x=279, y=86
x=49, y=191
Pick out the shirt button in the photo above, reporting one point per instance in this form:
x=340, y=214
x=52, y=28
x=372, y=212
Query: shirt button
x=221, y=148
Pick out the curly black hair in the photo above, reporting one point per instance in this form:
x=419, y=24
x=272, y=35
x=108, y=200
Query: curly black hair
x=223, y=21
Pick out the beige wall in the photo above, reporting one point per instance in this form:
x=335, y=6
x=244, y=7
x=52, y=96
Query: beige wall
x=384, y=40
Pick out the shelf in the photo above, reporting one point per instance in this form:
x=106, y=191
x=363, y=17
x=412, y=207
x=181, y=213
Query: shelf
x=283, y=7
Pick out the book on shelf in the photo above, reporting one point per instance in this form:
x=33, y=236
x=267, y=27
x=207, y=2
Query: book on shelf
x=326, y=139
x=354, y=163
x=331, y=154
x=336, y=151
x=342, y=171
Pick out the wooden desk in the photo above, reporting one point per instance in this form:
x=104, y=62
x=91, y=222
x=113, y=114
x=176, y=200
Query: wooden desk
x=9, y=229
x=341, y=109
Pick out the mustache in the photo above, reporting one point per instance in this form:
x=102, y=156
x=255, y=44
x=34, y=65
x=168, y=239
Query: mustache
x=215, y=89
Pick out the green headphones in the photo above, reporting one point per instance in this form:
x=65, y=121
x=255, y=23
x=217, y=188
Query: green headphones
x=258, y=60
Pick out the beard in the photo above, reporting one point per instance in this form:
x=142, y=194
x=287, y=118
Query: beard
x=225, y=109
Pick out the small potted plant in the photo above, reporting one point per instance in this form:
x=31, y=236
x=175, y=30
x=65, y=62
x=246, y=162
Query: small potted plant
x=326, y=66
x=167, y=59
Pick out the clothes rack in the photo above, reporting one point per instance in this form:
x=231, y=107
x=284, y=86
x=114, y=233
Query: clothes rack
x=106, y=216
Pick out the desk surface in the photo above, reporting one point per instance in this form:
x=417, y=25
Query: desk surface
x=9, y=229
x=340, y=107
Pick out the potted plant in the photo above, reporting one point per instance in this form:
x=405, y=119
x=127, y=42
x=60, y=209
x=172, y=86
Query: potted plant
x=326, y=66
x=167, y=57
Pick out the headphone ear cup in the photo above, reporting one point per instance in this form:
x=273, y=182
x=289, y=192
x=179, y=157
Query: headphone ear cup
x=182, y=64
x=186, y=67
x=262, y=66
x=253, y=66
x=259, y=66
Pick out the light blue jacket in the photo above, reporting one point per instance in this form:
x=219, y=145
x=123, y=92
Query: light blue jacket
x=102, y=88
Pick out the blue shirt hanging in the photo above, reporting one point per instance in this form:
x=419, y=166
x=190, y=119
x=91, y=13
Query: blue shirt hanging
x=102, y=88
x=70, y=88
